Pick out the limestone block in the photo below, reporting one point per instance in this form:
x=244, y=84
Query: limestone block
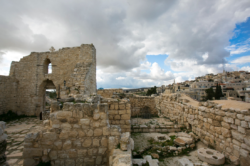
x=117, y=117
x=103, y=116
x=228, y=120
x=122, y=112
x=225, y=132
x=72, y=120
x=87, y=142
x=240, y=116
x=46, y=122
x=64, y=134
x=96, y=116
x=122, y=106
x=98, y=159
x=104, y=142
x=85, y=122
x=234, y=160
x=244, y=146
x=53, y=155
x=237, y=122
x=72, y=153
x=81, y=153
x=58, y=144
x=125, y=117
x=125, y=137
x=97, y=132
x=247, y=118
x=96, y=142
x=102, y=150
x=241, y=130
x=32, y=152
x=66, y=126
x=106, y=131
x=81, y=133
x=67, y=144
x=238, y=136
x=183, y=162
x=61, y=115
x=69, y=162
x=62, y=154
x=211, y=156
x=50, y=136
x=244, y=124
x=73, y=134
x=225, y=125
x=89, y=133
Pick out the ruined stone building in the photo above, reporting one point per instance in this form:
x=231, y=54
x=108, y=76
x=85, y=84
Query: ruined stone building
x=73, y=71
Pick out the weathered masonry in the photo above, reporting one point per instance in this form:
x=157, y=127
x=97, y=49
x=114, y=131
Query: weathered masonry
x=70, y=71
x=225, y=129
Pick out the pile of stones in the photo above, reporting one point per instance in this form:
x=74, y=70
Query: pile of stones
x=166, y=147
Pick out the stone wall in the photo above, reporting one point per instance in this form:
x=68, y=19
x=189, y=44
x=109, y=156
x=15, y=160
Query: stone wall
x=140, y=102
x=79, y=134
x=73, y=72
x=8, y=91
x=108, y=93
x=3, y=144
x=227, y=130
x=120, y=114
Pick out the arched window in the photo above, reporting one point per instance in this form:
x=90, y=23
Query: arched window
x=47, y=67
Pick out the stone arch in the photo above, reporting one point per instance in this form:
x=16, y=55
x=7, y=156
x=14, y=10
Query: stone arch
x=145, y=112
x=47, y=66
x=41, y=100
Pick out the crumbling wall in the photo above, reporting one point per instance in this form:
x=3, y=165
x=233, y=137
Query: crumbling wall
x=3, y=144
x=108, y=93
x=140, y=102
x=8, y=91
x=73, y=72
x=79, y=134
x=120, y=114
x=227, y=130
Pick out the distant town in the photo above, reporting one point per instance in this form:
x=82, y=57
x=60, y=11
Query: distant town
x=234, y=85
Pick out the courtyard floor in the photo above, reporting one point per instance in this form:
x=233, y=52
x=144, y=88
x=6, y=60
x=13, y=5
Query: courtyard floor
x=16, y=131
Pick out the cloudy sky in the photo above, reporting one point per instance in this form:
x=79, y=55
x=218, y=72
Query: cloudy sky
x=139, y=43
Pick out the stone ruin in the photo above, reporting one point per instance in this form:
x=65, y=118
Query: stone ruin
x=94, y=129
x=73, y=72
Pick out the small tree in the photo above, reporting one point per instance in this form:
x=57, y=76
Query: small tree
x=210, y=93
x=52, y=49
x=151, y=91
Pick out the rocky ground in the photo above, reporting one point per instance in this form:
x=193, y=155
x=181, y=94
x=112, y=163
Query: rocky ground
x=141, y=141
x=16, y=131
x=151, y=121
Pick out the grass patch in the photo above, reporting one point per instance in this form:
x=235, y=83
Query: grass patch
x=12, y=116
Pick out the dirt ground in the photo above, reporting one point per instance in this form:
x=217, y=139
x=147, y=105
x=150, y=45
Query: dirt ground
x=16, y=131
x=233, y=104
x=141, y=141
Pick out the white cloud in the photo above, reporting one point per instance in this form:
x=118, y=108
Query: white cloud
x=245, y=68
x=192, y=33
x=244, y=59
x=120, y=78
x=239, y=47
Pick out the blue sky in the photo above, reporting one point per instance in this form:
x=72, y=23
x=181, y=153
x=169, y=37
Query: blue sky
x=139, y=43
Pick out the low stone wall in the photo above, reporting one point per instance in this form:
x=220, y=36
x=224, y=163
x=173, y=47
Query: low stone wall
x=108, y=93
x=227, y=130
x=79, y=134
x=3, y=144
x=120, y=114
x=8, y=91
x=155, y=129
x=140, y=102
